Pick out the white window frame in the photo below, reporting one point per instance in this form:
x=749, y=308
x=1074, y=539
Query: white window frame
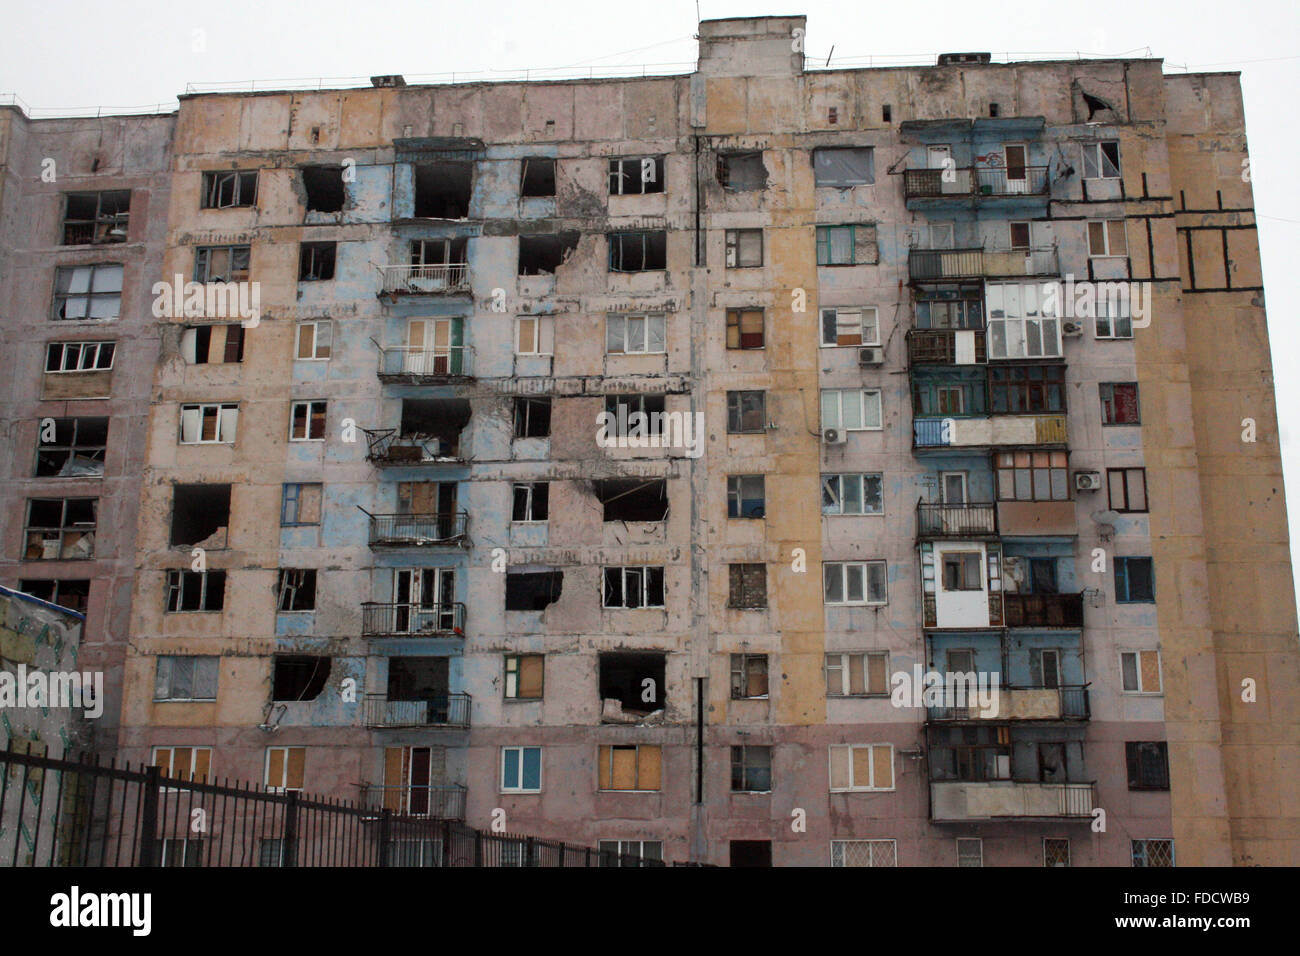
x=733, y=245
x=531, y=487
x=843, y=844
x=543, y=335
x=1141, y=691
x=648, y=321
x=1113, y=323
x=316, y=326
x=869, y=317
x=845, y=666
x=835, y=417
x=866, y=582
x=626, y=569
x=1092, y=155
x=630, y=848
x=90, y=294
x=282, y=786
x=1016, y=312
x=224, y=422
x=841, y=481
x=173, y=772
x=1105, y=224
x=293, y=406
x=869, y=786
x=519, y=787
x=979, y=843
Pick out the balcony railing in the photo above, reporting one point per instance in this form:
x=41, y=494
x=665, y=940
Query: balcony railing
x=438, y=801
x=424, y=365
x=418, y=530
x=1044, y=610
x=944, y=264
x=1022, y=703
x=974, y=182
x=988, y=430
x=412, y=620
x=440, y=279
x=438, y=710
x=946, y=347
x=386, y=447
x=961, y=800
x=936, y=520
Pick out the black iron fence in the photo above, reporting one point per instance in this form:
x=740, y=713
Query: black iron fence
x=61, y=812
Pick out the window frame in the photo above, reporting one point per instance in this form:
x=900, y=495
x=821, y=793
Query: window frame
x=870, y=786
x=862, y=480
x=862, y=394
x=171, y=763
x=511, y=677
x=309, y=419
x=522, y=415
x=530, y=507
x=735, y=320
x=101, y=224
x=964, y=568
x=74, y=449
x=871, y=844
x=174, y=580
x=64, y=529
x=522, y=750
x=208, y=660
x=745, y=768
x=1128, y=590
x=844, y=567
x=296, y=499
x=736, y=412
x=618, y=253
x=1106, y=231
x=1058, y=466
x=734, y=241
x=649, y=320
x=863, y=311
x=315, y=325
x=83, y=349
x=628, y=572
x=1110, y=407
x=844, y=667
x=289, y=582
x=741, y=675
x=736, y=576
x=211, y=189
x=1127, y=498
x=1095, y=152
x=823, y=236
x=59, y=300
x=203, y=409
x=1135, y=760
x=203, y=263
x=1141, y=690
x=605, y=767
x=736, y=496
x=618, y=173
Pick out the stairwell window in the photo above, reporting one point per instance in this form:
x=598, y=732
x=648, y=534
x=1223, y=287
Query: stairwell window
x=1127, y=489
x=847, y=245
x=228, y=189
x=315, y=340
x=638, y=251
x=857, y=675
x=185, y=677
x=745, y=329
x=1148, y=765
x=746, y=496
x=744, y=248
x=748, y=676
x=634, y=334
x=963, y=571
x=864, y=853
x=1140, y=672
x=195, y=591
x=634, y=587
x=751, y=769
x=1119, y=403
x=1135, y=581
x=630, y=767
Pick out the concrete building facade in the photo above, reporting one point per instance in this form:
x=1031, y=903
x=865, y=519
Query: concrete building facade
x=385, y=551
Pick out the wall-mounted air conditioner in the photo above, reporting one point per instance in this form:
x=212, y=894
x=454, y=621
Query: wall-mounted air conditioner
x=871, y=356
x=833, y=436
x=1087, y=481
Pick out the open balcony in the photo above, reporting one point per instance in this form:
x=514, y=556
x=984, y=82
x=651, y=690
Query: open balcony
x=415, y=366
x=413, y=620
x=971, y=185
x=942, y=265
x=435, y=710
x=1043, y=610
x=443, y=278
x=435, y=801
x=1022, y=703
x=966, y=520
x=969, y=801
x=946, y=347
x=419, y=530
x=988, y=431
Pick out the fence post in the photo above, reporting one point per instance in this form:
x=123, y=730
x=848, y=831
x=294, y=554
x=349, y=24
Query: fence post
x=530, y=852
x=478, y=847
x=385, y=826
x=446, y=843
x=588, y=863
x=149, y=817
x=289, y=850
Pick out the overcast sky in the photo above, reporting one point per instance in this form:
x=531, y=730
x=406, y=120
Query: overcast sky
x=62, y=55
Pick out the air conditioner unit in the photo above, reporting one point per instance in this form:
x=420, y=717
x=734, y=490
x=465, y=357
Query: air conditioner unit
x=1072, y=328
x=833, y=436
x=1087, y=480
x=871, y=356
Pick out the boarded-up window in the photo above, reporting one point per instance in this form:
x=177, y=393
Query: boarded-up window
x=630, y=767
x=285, y=768
x=857, y=675
x=208, y=424
x=748, y=676
x=744, y=328
x=862, y=767
x=183, y=763
x=300, y=504
x=524, y=676
x=747, y=585
x=212, y=344
x=850, y=326
x=1140, y=672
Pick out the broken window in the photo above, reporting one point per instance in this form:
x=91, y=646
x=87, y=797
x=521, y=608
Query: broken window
x=307, y=421
x=634, y=334
x=94, y=218
x=886, y=113
x=209, y=424
x=78, y=356
x=744, y=248
x=60, y=529
x=633, y=587
x=630, y=767
x=316, y=261
x=324, y=187
x=746, y=412
x=524, y=676
x=195, y=590
x=185, y=677
x=221, y=263
x=842, y=168
x=747, y=586
x=745, y=328
x=421, y=678
x=213, y=344
x=632, y=684
x=436, y=423
x=742, y=171
x=88, y=291
x=225, y=190
x=315, y=340
x=847, y=245
x=532, y=417
x=544, y=254
x=636, y=175
x=853, y=494
x=1119, y=403
x=296, y=589
x=746, y=496
x=537, y=178
x=1101, y=160
x=443, y=189
x=857, y=675
x=200, y=515
x=532, y=590
x=73, y=448
x=298, y=677
x=531, y=501
x=634, y=415
x=633, y=499
x=751, y=769
x=1135, y=580
x=73, y=594
x=748, y=676
x=638, y=251
x=300, y=504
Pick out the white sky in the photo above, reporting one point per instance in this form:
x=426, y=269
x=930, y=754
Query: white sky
x=129, y=53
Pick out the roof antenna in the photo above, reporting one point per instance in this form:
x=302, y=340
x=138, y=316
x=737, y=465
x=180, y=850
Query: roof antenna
x=829, y=55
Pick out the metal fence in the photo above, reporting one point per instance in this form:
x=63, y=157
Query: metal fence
x=61, y=812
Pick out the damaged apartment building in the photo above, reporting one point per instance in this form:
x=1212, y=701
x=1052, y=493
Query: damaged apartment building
x=383, y=553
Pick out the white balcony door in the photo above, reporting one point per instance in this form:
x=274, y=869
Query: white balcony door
x=1015, y=157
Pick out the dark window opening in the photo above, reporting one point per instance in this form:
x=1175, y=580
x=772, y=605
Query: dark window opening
x=296, y=589
x=993, y=109
x=442, y=190
x=94, y=218
x=624, y=410
x=543, y=255
x=748, y=676
x=1135, y=580
x=299, y=677
x=1148, y=765
x=229, y=189
x=636, y=175
x=532, y=501
x=886, y=113
x=638, y=251
x=633, y=499
x=750, y=853
x=537, y=178
x=316, y=261
x=635, y=680
x=200, y=515
x=72, y=594
x=213, y=344
x=195, y=590
x=747, y=586
x=532, y=417
x=60, y=529
x=742, y=171
x=73, y=448
x=751, y=769
x=746, y=496
x=436, y=419
x=418, y=678
x=532, y=590
x=633, y=587
x=746, y=412
x=324, y=186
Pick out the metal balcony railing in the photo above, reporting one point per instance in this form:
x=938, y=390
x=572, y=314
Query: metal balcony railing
x=438, y=801
x=412, y=620
x=974, y=182
x=437, y=710
x=440, y=279
x=424, y=365
x=1044, y=610
x=946, y=347
x=959, y=800
x=386, y=447
x=945, y=264
x=937, y=520
x=418, y=530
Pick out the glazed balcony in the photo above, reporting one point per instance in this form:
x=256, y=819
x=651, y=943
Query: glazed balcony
x=437, y=801
x=413, y=620
x=988, y=431
x=971, y=185
x=439, y=710
x=943, y=265
x=1043, y=610
x=414, y=366
x=967, y=520
x=1022, y=704
x=444, y=278
x=419, y=530
x=962, y=801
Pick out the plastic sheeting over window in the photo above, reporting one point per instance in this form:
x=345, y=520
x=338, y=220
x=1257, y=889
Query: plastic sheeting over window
x=843, y=168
